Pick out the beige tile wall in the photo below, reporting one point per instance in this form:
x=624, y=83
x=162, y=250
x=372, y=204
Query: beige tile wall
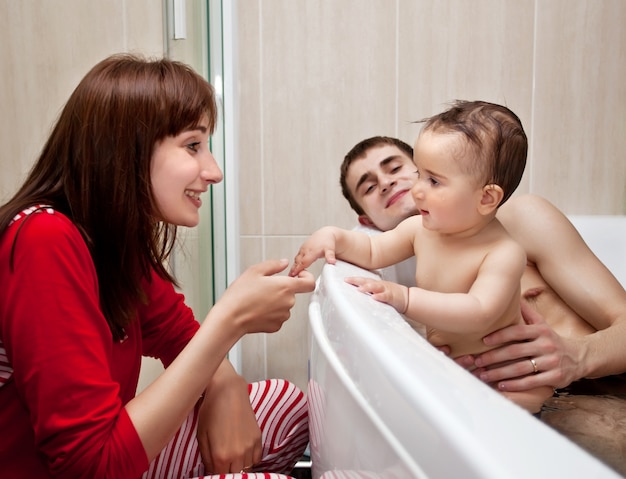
x=318, y=76
x=46, y=47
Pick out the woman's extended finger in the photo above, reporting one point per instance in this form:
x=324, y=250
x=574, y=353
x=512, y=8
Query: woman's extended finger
x=269, y=267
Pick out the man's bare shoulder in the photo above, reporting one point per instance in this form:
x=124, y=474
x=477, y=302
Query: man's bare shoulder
x=520, y=212
x=533, y=222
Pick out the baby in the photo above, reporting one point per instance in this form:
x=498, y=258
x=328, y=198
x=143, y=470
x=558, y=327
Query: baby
x=469, y=160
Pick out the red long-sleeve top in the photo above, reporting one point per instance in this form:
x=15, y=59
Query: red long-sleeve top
x=64, y=381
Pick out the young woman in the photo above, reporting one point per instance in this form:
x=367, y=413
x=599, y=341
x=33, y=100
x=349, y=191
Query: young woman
x=86, y=292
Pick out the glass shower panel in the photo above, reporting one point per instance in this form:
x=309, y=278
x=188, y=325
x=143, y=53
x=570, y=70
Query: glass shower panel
x=194, y=36
x=206, y=260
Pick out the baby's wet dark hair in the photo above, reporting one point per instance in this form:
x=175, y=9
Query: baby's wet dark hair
x=497, y=139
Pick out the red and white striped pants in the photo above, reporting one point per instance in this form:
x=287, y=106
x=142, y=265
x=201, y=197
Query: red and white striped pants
x=281, y=411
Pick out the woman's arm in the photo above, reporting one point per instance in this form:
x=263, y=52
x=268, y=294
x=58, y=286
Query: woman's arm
x=258, y=301
x=229, y=436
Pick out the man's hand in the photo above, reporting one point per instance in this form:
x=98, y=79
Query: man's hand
x=509, y=366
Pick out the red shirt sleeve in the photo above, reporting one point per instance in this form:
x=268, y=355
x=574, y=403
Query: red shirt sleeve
x=167, y=323
x=60, y=348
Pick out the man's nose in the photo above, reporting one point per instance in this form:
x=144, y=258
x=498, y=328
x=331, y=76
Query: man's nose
x=387, y=184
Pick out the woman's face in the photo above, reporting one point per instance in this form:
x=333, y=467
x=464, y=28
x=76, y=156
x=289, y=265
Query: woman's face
x=181, y=169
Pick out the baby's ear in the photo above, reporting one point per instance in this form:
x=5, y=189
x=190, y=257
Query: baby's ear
x=365, y=221
x=490, y=200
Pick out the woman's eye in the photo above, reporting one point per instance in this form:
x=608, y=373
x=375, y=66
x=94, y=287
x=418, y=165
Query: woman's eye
x=194, y=146
x=369, y=189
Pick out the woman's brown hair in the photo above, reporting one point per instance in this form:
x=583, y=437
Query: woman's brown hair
x=95, y=169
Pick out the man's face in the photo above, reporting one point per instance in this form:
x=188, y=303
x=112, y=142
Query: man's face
x=381, y=184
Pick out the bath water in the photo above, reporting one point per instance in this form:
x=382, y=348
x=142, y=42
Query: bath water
x=592, y=414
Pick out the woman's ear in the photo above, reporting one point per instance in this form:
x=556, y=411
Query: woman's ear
x=365, y=221
x=490, y=199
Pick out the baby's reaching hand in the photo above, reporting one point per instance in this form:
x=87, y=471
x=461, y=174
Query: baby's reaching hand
x=396, y=295
x=320, y=244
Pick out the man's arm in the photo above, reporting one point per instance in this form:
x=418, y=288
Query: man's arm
x=568, y=266
x=564, y=260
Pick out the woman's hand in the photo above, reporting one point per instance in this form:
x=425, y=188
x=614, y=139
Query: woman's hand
x=508, y=366
x=260, y=300
x=229, y=436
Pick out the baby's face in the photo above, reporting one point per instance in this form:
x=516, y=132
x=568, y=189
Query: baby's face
x=445, y=192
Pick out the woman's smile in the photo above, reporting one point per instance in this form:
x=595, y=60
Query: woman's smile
x=194, y=196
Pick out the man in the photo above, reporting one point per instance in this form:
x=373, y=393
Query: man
x=393, y=159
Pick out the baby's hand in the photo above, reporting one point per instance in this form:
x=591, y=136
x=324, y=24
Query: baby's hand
x=320, y=244
x=396, y=295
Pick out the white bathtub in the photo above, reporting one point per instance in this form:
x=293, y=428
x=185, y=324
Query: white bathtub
x=386, y=404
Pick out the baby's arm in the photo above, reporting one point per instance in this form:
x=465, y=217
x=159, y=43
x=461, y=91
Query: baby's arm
x=369, y=252
x=495, y=289
x=331, y=243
